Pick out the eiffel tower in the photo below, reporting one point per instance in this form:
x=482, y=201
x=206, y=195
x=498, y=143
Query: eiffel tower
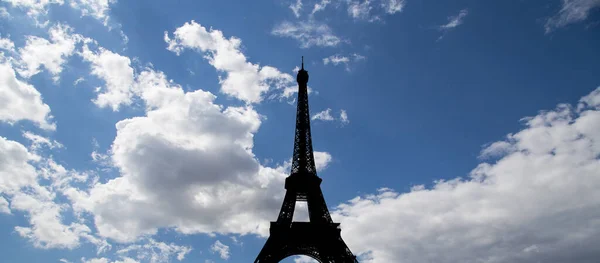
x=320, y=237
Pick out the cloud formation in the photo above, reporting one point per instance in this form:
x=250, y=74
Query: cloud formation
x=571, y=11
x=338, y=59
x=453, y=22
x=537, y=202
x=308, y=33
x=243, y=80
x=21, y=101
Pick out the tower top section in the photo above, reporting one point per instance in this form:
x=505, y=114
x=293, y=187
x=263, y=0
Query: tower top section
x=302, y=76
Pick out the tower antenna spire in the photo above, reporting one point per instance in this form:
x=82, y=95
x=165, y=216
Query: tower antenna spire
x=302, y=62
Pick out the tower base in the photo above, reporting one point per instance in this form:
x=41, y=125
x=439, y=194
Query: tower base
x=321, y=241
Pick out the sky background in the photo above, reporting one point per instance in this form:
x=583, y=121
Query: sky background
x=162, y=131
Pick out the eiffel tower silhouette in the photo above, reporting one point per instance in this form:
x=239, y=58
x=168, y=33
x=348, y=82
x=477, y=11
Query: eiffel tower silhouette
x=320, y=237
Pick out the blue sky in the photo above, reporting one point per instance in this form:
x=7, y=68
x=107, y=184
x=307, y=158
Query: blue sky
x=154, y=131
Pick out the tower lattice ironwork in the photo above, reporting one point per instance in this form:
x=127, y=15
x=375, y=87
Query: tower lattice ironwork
x=320, y=237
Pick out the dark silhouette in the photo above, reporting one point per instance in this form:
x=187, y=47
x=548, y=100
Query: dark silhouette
x=320, y=238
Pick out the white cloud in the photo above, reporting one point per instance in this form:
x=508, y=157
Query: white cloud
x=4, y=13
x=78, y=80
x=38, y=141
x=200, y=160
x=536, y=203
x=453, y=22
x=221, y=249
x=336, y=60
x=19, y=181
x=7, y=44
x=496, y=149
x=320, y=6
x=304, y=259
x=393, y=6
x=95, y=8
x=308, y=34
x=322, y=159
x=15, y=170
x=296, y=7
x=117, y=73
x=343, y=60
x=456, y=20
x=156, y=252
x=21, y=101
x=344, y=117
x=572, y=11
x=326, y=116
x=243, y=80
x=358, y=57
x=39, y=8
x=367, y=10
x=34, y=8
x=52, y=54
x=362, y=10
x=47, y=230
x=106, y=260
x=4, y=206
x=323, y=115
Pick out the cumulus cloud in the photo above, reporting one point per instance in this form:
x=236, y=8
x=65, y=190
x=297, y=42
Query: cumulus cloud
x=308, y=33
x=537, y=203
x=4, y=206
x=19, y=180
x=38, y=9
x=21, y=101
x=7, y=44
x=243, y=80
x=187, y=156
x=51, y=54
x=15, y=170
x=116, y=71
x=572, y=11
x=221, y=249
x=323, y=115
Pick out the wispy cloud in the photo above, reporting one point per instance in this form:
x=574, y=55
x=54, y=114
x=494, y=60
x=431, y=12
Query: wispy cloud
x=326, y=116
x=296, y=7
x=343, y=60
x=344, y=117
x=221, y=249
x=308, y=33
x=572, y=11
x=368, y=10
x=453, y=22
x=320, y=6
